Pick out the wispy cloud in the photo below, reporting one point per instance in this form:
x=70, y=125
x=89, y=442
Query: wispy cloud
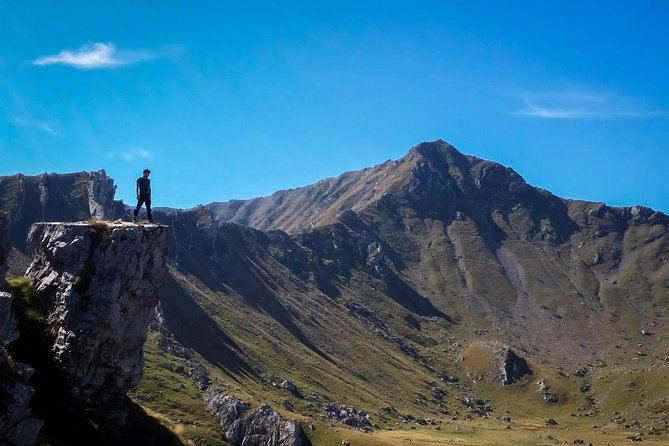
x=95, y=55
x=586, y=105
x=44, y=126
x=137, y=153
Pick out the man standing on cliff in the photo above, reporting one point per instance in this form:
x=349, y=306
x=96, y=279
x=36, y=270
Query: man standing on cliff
x=143, y=195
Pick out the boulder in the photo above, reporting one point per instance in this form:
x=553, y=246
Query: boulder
x=514, y=368
x=262, y=427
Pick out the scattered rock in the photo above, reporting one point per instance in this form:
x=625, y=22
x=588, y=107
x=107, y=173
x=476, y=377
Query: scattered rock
x=581, y=372
x=350, y=416
x=477, y=406
x=290, y=386
x=445, y=377
x=545, y=393
x=551, y=422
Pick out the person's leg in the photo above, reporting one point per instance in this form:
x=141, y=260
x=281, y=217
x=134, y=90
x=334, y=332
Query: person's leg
x=148, y=210
x=140, y=201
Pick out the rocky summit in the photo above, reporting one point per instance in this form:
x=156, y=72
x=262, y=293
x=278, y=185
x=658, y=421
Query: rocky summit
x=437, y=297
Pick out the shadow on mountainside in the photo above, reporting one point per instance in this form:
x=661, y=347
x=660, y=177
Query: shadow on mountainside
x=249, y=280
x=65, y=426
x=410, y=299
x=193, y=327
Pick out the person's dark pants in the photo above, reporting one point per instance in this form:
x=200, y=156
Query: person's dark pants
x=140, y=202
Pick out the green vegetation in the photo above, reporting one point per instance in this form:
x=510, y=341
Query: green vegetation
x=174, y=399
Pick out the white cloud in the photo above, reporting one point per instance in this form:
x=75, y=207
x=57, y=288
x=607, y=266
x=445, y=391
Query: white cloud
x=41, y=125
x=95, y=55
x=586, y=105
x=138, y=153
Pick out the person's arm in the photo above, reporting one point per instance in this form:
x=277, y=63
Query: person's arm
x=149, y=191
x=137, y=189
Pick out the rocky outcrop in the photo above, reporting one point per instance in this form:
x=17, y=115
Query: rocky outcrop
x=102, y=281
x=514, y=368
x=543, y=389
x=262, y=427
x=57, y=197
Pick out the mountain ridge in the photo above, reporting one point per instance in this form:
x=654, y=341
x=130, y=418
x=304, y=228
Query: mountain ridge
x=406, y=286
x=331, y=195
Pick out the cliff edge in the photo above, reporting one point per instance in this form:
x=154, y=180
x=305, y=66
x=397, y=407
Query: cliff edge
x=101, y=281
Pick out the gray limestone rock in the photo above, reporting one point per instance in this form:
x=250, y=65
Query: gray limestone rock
x=290, y=387
x=225, y=408
x=102, y=281
x=514, y=368
x=262, y=427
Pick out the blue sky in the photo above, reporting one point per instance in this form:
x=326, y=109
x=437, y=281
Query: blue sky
x=235, y=99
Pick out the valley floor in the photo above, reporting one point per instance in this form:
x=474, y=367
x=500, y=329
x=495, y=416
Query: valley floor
x=494, y=432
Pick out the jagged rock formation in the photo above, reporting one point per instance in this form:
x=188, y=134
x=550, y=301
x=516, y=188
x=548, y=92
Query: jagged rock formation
x=56, y=197
x=103, y=282
x=494, y=363
x=514, y=368
x=262, y=427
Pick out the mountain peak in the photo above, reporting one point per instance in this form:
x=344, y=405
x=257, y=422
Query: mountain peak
x=438, y=147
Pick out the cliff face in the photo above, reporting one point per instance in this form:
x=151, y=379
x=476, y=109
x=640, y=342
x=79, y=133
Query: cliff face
x=56, y=197
x=102, y=282
x=17, y=427
x=4, y=248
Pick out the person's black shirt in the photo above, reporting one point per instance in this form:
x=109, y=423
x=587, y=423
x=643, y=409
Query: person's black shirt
x=144, y=186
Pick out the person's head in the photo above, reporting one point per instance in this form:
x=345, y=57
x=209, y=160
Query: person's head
x=146, y=173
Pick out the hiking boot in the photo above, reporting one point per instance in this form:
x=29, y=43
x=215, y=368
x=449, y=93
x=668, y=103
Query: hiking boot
x=134, y=219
